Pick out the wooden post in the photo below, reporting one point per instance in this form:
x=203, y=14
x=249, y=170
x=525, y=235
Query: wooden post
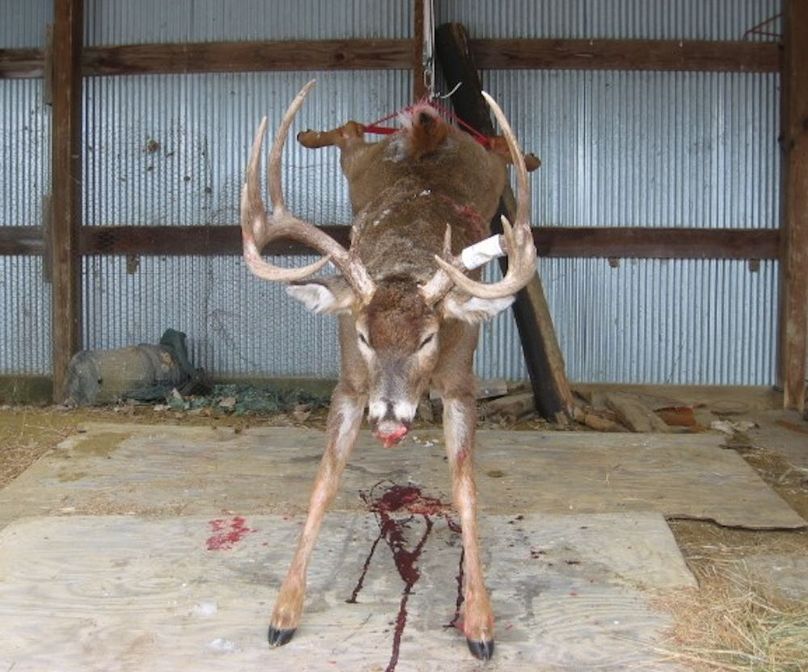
x=418, y=82
x=794, y=259
x=545, y=363
x=66, y=190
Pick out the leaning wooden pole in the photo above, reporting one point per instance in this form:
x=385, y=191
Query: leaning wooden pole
x=66, y=180
x=545, y=364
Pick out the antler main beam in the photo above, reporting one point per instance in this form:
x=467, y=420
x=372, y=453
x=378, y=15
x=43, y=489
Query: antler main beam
x=258, y=228
x=516, y=241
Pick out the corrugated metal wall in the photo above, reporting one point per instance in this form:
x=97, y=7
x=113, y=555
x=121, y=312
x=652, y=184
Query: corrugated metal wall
x=156, y=21
x=650, y=149
x=23, y=23
x=618, y=19
x=618, y=149
x=25, y=323
x=171, y=150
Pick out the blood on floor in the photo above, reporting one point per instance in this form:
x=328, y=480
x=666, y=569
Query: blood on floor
x=395, y=508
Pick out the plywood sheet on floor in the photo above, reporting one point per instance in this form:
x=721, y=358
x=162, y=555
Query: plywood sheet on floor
x=117, y=593
x=170, y=470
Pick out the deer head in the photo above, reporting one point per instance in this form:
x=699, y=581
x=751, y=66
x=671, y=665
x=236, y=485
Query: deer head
x=401, y=328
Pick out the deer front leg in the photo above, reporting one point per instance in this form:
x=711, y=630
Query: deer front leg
x=344, y=418
x=459, y=419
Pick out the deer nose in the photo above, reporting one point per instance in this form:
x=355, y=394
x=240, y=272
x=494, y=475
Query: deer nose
x=390, y=421
x=390, y=432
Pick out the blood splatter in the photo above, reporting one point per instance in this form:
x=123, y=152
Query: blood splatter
x=227, y=533
x=456, y=622
x=403, y=500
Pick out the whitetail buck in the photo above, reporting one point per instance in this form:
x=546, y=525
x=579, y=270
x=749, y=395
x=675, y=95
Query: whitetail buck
x=408, y=307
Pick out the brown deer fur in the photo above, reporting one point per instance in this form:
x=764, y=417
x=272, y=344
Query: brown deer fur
x=404, y=324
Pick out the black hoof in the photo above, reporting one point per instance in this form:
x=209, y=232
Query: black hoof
x=280, y=637
x=483, y=650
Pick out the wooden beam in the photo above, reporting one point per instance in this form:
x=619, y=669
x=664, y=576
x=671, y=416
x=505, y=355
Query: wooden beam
x=559, y=242
x=545, y=364
x=66, y=181
x=185, y=240
x=419, y=89
x=505, y=54
x=508, y=54
x=200, y=57
x=551, y=241
x=21, y=63
x=794, y=266
x=21, y=240
x=657, y=243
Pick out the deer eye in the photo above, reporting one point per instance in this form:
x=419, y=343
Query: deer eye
x=426, y=341
x=362, y=339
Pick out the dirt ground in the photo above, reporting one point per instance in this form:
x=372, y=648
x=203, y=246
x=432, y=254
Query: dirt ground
x=754, y=625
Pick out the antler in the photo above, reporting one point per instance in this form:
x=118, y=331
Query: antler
x=516, y=241
x=258, y=228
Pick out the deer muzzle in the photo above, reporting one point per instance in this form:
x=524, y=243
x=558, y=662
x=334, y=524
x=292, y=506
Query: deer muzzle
x=390, y=432
x=390, y=420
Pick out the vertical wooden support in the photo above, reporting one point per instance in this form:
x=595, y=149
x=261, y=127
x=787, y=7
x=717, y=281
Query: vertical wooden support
x=545, y=364
x=66, y=186
x=794, y=258
x=418, y=82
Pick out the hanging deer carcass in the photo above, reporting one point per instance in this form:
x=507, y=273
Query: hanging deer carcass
x=408, y=302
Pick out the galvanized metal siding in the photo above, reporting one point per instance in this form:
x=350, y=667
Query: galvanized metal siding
x=24, y=152
x=25, y=331
x=647, y=149
x=22, y=23
x=156, y=21
x=25, y=317
x=652, y=321
x=237, y=325
x=171, y=150
x=618, y=149
x=629, y=19
x=25, y=321
x=650, y=149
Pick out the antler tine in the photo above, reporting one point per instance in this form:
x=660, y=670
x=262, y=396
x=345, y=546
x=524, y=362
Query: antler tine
x=440, y=282
x=518, y=238
x=258, y=229
x=274, y=168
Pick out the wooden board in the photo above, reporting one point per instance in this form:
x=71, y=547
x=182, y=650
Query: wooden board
x=116, y=593
x=551, y=241
x=261, y=56
x=170, y=470
x=588, y=54
x=507, y=53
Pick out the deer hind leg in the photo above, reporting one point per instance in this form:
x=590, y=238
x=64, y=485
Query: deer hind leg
x=344, y=419
x=459, y=419
x=336, y=137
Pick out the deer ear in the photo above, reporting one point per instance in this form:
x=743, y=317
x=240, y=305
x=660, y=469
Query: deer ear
x=472, y=309
x=324, y=295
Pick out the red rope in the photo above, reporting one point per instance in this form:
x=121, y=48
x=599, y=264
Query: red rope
x=379, y=130
x=484, y=140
